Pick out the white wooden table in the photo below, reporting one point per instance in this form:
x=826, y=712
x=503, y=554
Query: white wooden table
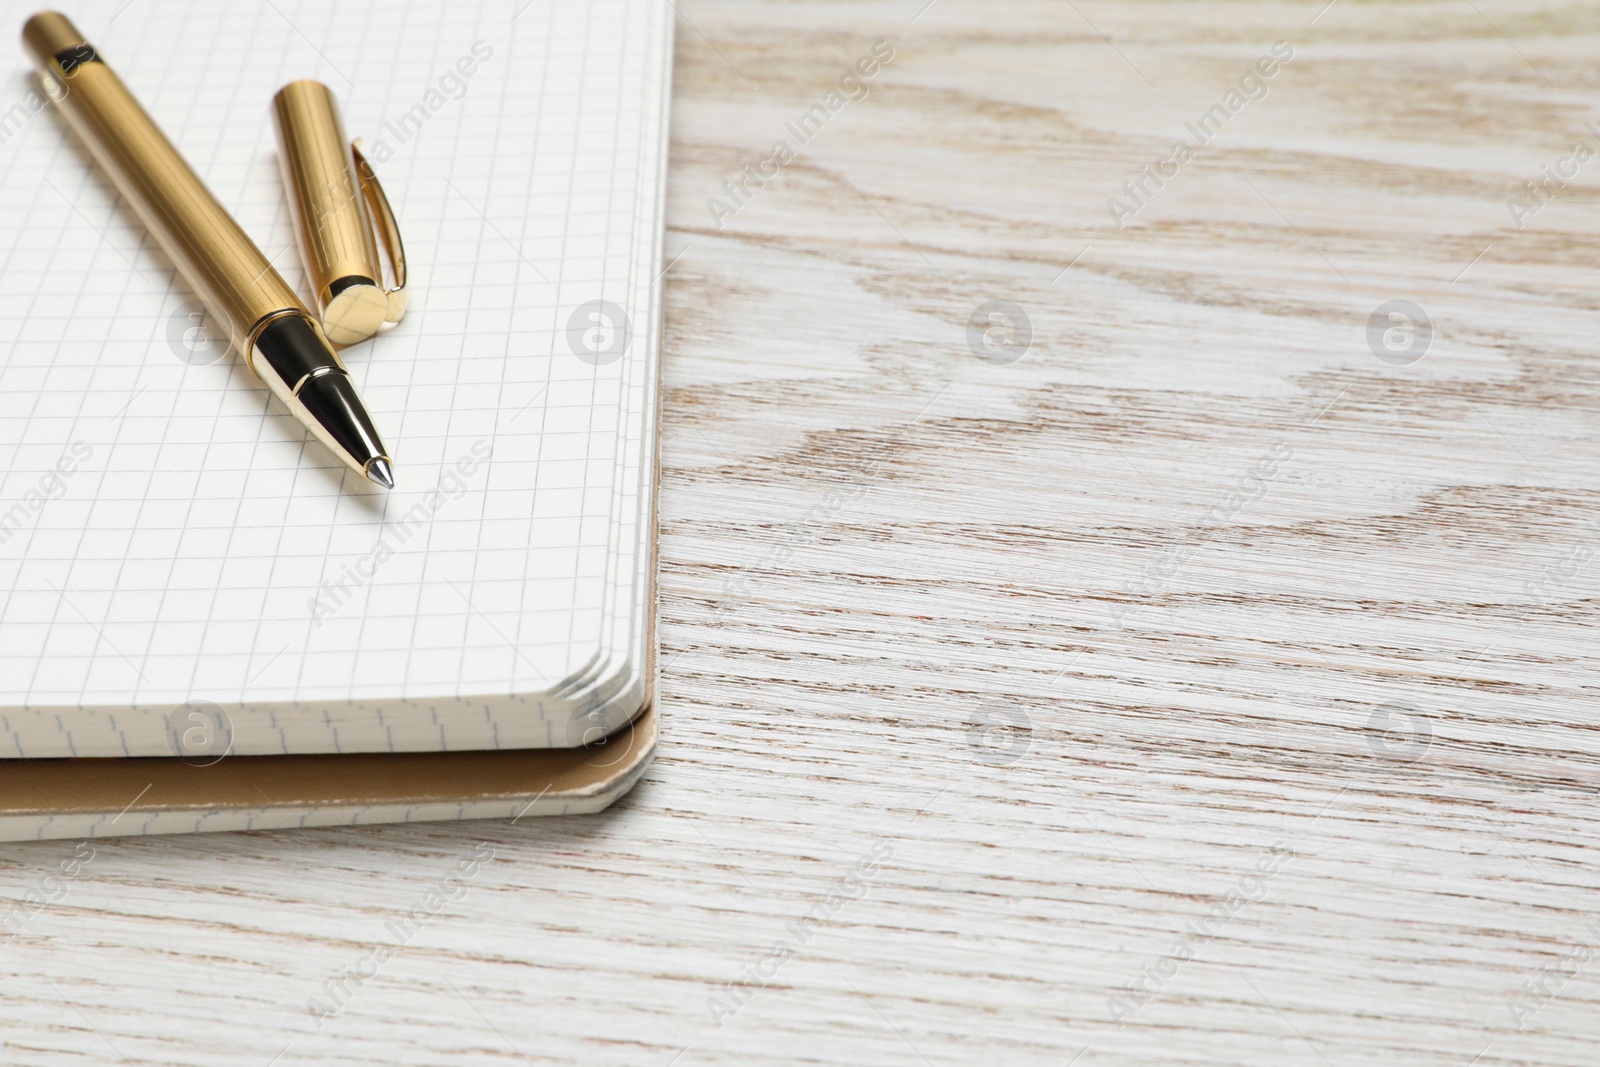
x=1212, y=684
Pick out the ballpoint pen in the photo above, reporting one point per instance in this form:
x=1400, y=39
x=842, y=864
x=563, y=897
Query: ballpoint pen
x=265, y=320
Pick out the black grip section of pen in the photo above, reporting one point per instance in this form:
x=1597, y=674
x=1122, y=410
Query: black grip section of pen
x=293, y=348
x=332, y=401
x=73, y=58
x=299, y=355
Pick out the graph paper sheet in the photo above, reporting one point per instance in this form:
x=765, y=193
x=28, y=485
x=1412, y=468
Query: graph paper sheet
x=172, y=544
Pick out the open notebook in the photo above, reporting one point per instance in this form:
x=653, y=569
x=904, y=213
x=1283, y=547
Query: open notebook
x=178, y=560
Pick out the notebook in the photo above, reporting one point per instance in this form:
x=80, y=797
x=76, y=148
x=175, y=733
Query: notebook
x=181, y=570
x=83, y=798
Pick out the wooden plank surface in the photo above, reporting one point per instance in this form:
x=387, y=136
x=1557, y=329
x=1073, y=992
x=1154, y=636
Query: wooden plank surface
x=1203, y=684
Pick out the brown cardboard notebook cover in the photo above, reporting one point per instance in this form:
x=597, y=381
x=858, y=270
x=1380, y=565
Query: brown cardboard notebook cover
x=49, y=798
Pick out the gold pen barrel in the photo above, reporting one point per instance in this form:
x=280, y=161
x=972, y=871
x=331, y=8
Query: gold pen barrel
x=218, y=260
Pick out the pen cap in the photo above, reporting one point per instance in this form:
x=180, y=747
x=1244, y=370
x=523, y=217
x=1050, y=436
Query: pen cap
x=336, y=203
x=48, y=34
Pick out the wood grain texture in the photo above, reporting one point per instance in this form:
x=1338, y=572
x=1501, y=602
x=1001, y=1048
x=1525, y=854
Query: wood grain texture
x=1309, y=757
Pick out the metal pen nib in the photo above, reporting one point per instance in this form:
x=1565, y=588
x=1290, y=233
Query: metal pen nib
x=381, y=472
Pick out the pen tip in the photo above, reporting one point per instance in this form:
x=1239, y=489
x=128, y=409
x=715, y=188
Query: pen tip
x=380, y=471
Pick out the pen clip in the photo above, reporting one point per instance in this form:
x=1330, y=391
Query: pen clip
x=383, y=218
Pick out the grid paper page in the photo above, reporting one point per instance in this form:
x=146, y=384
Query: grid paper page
x=177, y=544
